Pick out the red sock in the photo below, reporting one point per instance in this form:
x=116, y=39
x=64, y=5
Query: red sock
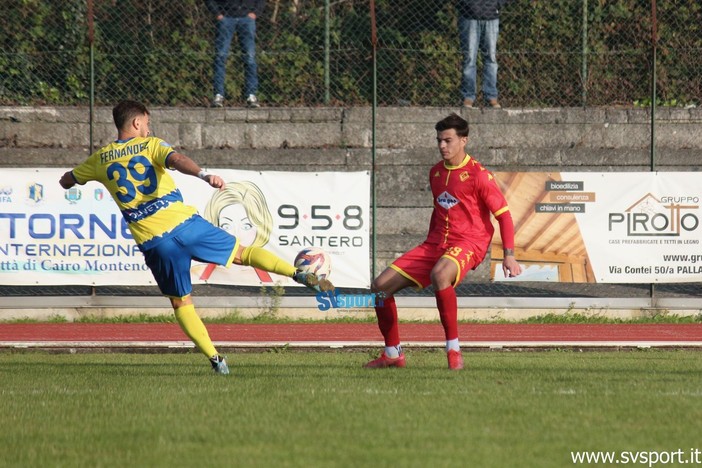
x=448, y=311
x=387, y=321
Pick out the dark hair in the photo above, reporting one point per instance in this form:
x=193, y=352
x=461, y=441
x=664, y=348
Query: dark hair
x=127, y=110
x=454, y=121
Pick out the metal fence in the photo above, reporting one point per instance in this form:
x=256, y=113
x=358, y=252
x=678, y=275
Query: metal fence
x=351, y=52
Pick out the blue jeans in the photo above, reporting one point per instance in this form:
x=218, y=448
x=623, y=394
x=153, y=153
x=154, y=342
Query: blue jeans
x=474, y=34
x=245, y=29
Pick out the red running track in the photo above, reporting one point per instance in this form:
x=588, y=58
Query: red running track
x=339, y=335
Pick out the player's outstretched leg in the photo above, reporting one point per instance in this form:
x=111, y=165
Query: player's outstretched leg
x=311, y=281
x=265, y=260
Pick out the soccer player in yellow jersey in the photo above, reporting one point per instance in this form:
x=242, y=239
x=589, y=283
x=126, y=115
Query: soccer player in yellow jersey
x=168, y=232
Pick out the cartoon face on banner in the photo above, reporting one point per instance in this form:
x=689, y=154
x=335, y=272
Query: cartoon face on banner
x=239, y=208
x=269, y=210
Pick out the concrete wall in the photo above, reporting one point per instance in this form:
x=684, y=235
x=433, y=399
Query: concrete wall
x=338, y=139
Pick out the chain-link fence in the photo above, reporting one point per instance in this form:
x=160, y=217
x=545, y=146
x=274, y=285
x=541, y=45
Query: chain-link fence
x=325, y=52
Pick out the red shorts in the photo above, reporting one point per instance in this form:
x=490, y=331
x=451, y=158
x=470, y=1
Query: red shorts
x=416, y=264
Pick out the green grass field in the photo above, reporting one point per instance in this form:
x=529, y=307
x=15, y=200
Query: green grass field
x=291, y=408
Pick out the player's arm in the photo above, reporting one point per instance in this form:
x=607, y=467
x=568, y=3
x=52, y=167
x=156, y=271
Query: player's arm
x=510, y=266
x=184, y=164
x=495, y=200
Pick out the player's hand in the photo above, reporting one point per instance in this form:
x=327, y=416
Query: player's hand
x=510, y=267
x=67, y=180
x=215, y=181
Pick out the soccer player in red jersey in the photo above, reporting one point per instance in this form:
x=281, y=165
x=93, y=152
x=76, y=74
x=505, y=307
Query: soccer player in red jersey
x=465, y=195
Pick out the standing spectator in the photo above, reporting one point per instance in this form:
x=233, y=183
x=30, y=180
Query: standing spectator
x=478, y=27
x=236, y=16
x=460, y=231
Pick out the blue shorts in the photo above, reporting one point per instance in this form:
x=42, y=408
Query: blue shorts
x=195, y=239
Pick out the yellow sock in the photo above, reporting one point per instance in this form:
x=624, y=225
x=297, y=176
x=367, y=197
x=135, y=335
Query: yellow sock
x=193, y=327
x=265, y=260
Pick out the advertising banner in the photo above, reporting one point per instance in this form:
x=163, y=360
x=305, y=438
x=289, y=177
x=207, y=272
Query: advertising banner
x=604, y=227
x=52, y=236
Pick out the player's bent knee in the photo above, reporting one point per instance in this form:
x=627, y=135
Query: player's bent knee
x=177, y=302
x=442, y=279
x=381, y=288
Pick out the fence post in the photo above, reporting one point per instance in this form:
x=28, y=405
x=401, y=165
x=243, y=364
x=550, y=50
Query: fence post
x=654, y=45
x=326, y=52
x=91, y=43
x=374, y=48
x=584, y=52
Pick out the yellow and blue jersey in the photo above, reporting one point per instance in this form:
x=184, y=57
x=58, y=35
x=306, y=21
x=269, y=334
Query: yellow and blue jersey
x=134, y=171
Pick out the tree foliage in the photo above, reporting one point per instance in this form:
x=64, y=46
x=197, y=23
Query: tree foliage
x=551, y=53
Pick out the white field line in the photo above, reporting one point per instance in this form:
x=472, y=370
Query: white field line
x=351, y=344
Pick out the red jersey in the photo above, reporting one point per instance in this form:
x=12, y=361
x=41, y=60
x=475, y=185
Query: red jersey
x=464, y=197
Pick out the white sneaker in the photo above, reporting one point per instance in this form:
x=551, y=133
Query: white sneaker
x=251, y=101
x=218, y=100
